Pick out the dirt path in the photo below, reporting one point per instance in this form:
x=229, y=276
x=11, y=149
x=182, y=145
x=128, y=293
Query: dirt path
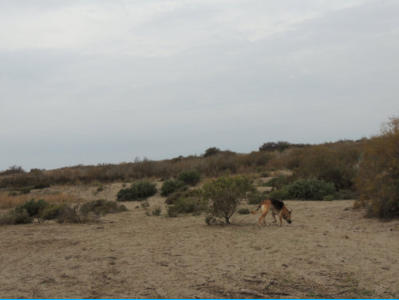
x=329, y=251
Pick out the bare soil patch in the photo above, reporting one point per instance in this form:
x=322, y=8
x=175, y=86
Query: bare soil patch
x=328, y=251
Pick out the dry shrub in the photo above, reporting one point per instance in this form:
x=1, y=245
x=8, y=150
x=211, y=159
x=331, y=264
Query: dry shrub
x=378, y=177
x=15, y=217
x=217, y=163
x=10, y=201
x=254, y=160
x=331, y=163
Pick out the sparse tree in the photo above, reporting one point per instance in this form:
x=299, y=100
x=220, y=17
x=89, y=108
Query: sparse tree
x=224, y=194
x=211, y=151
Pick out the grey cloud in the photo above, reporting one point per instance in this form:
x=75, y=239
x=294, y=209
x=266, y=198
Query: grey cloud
x=329, y=77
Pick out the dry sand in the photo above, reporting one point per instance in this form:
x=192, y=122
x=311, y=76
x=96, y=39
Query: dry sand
x=329, y=250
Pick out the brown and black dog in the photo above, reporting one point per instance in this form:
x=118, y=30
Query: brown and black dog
x=277, y=207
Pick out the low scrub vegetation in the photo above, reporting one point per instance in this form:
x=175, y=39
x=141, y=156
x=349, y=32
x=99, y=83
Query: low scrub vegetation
x=62, y=213
x=184, y=202
x=305, y=189
x=10, y=199
x=52, y=211
x=138, y=191
x=189, y=205
x=183, y=193
x=101, y=207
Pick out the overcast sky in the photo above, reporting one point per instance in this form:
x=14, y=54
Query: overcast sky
x=87, y=82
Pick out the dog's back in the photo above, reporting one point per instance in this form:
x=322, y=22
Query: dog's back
x=277, y=204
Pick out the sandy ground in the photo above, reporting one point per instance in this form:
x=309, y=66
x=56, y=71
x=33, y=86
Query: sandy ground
x=328, y=251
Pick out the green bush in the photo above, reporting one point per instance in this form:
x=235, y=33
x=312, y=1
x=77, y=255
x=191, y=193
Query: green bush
x=25, y=190
x=211, y=151
x=346, y=195
x=70, y=215
x=32, y=207
x=305, y=189
x=41, y=185
x=190, y=201
x=190, y=205
x=170, y=186
x=183, y=193
x=279, y=182
x=329, y=198
x=101, y=207
x=243, y=211
x=273, y=146
x=265, y=174
x=310, y=189
x=156, y=211
x=256, y=197
x=52, y=211
x=138, y=191
x=190, y=177
x=279, y=195
x=224, y=194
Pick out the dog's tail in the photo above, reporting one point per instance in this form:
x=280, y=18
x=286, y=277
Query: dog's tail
x=256, y=210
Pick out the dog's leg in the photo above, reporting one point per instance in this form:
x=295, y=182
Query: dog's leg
x=261, y=220
x=265, y=210
x=274, y=217
x=281, y=217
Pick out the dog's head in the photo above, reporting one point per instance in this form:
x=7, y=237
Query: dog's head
x=287, y=215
